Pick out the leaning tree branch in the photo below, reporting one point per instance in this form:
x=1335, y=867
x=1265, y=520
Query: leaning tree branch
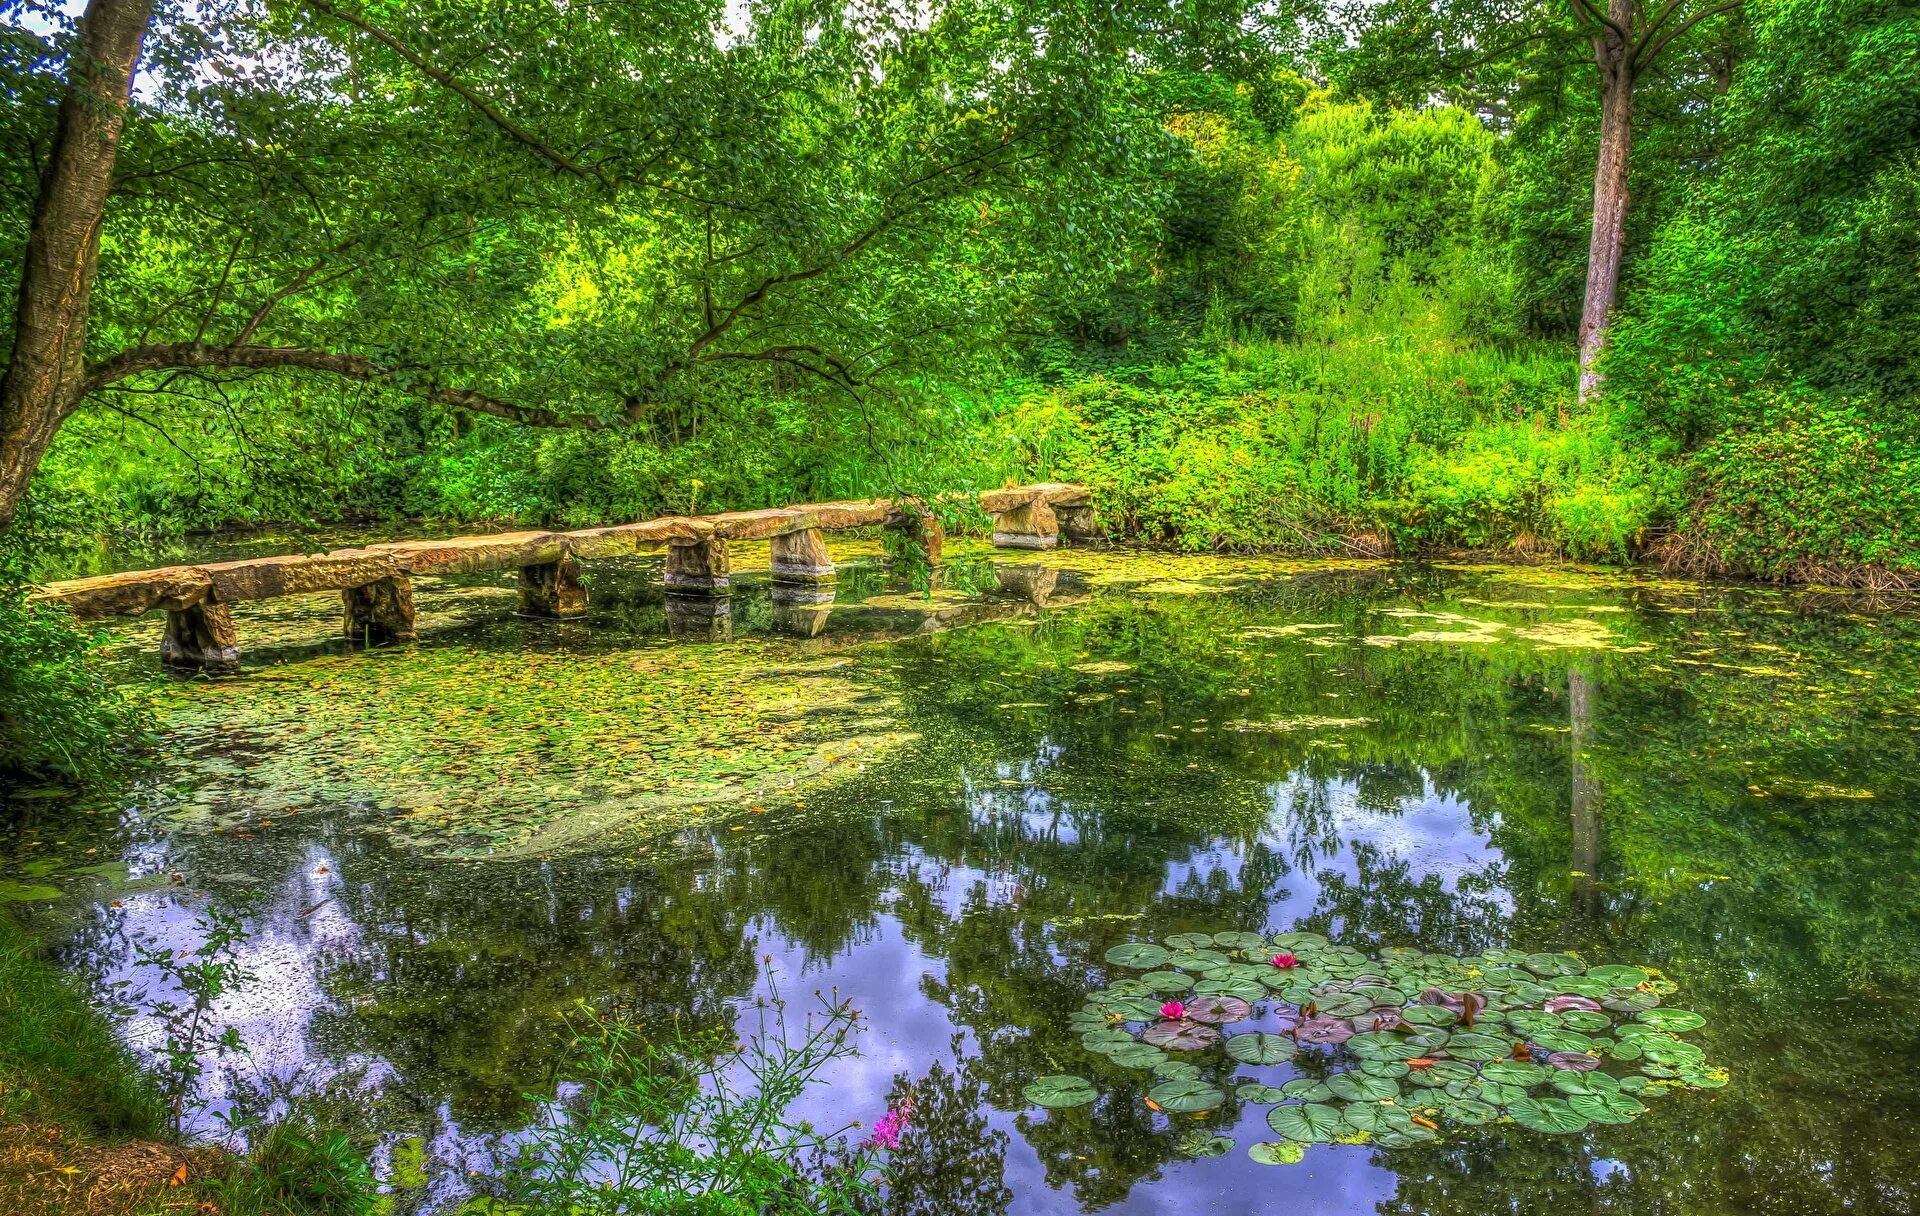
x=1652, y=50
x=182, y=356
x=473, y=97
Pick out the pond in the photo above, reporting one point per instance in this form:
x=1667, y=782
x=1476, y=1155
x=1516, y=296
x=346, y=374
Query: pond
x=949, y=810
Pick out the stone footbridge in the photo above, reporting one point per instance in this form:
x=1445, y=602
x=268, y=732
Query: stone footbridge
x=376, y=582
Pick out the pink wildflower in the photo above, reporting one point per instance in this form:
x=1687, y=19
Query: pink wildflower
x=1286, y=962
x=1173, y=1011
x=886, y=1132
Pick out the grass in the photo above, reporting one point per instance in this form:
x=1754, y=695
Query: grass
x=82, y=1124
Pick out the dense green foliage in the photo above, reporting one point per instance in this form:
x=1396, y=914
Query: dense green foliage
x=1241, y=276
x=60, y=716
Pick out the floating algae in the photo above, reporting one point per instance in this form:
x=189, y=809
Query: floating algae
x=471, y=752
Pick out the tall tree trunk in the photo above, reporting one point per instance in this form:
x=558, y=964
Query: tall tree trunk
x=1614, y=54
x=42, y=383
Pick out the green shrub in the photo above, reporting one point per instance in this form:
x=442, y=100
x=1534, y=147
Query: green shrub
x=1816, y=487
x=61, y=718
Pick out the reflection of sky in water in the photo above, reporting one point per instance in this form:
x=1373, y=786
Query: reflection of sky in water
x=919, y=883
x=891, y=980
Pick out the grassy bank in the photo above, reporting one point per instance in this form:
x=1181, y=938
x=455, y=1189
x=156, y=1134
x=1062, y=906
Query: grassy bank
x=84, y=1128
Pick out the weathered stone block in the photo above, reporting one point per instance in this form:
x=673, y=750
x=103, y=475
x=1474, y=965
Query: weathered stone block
x=1078, y=525
x=265, y=578
x=553, y=589
x=924, y=529
x=839, y=516
x=699, y=567
x=473, y=554
x=201, y=635
x=627, y=540
x=380, y=612
x=1032, y=525
x=132, y=593
x=801, y=557
x=758, y=525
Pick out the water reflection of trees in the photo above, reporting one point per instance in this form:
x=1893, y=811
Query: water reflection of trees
x=1020, y=845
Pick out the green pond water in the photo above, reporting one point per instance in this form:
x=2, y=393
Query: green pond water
x=950, y=809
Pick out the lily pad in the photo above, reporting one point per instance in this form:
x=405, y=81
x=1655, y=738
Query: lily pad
x=1618, y=975
x=1430, y=1015
x=1208, y=1007
x=1239, y=989
x=1613, y=1107
x=1282, y=1152
x=1139, y=956
x=1563, y=1040
x=1306, y=1089
x=1554, y=964
x=1326, y=1032
x=1260, y=1095
x=1167, y=981
x=1181, y=1036
x=1574, y=1061
x=1515, y=1072
x=1470, y=1111
x=1673, y=1021
x=1259, y=1048
x=1060, y=1092
x=1186, y=1097
x=1190, y=941
x=1550, y=1115
x=1255, y=943
x=1175, y=1070
x=1359, y=1087
x=1136, y=1055
x=1470, y=1045
x=1309, y=1123
x=1376, y=1117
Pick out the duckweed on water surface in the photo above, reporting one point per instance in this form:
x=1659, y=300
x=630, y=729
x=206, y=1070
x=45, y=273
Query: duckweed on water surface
x=472, y=751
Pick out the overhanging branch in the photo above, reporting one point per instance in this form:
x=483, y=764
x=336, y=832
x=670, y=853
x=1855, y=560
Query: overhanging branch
x=186, y=356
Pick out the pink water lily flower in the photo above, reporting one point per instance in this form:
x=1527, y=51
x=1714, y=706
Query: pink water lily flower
x=1173, y=1011
x=1286, y=962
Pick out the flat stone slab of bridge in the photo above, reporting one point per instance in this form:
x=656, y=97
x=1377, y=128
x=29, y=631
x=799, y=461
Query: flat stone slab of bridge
x=376, y=586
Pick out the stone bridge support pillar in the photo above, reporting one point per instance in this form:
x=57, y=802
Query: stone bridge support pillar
x=380, y=612
x=552, y=589
x=1078, y=526
x=800, y=558
x=698, y=567
x=201, y=635
x=1028, y=525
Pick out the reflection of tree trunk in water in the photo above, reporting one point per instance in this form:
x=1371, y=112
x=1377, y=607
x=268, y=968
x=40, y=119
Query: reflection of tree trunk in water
x=1586, y=798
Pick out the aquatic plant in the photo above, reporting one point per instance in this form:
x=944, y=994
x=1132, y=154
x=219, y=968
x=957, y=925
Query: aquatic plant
x=1403, y=1043
x=684, y=1121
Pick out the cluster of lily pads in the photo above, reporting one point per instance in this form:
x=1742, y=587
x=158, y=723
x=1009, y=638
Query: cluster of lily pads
x=1389, y=1048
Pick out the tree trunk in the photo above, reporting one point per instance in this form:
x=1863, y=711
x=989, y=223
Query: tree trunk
x=1615, y=57
x=1585, y=861
x=44, y=377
